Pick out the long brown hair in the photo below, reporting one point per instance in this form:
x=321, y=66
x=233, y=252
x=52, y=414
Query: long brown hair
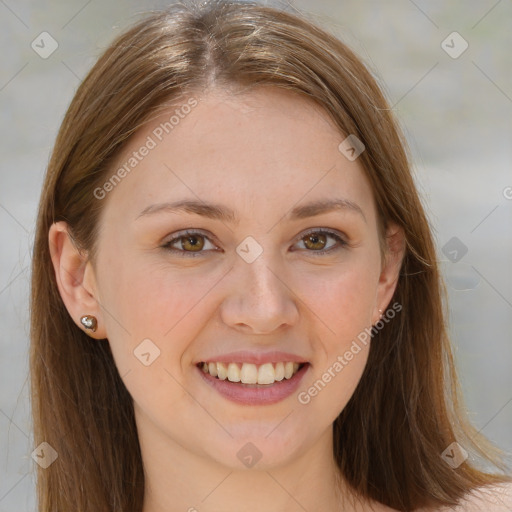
x=406, y=409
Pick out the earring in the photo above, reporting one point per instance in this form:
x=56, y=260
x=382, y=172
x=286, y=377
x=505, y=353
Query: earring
x=380, y=311
x=89, y=322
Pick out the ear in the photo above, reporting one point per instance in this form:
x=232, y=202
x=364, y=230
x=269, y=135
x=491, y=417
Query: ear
x=75, y=278
x=390, y=272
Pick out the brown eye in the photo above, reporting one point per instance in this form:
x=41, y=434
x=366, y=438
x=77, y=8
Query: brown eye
x=189, y=243
x=315, y=241
x=192, y=242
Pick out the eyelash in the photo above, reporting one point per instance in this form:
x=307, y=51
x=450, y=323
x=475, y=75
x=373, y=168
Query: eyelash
x=342, y=243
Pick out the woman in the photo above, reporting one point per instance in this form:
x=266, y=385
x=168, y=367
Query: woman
x=236, y=302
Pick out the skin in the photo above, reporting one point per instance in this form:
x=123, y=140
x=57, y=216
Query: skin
x=260, y=153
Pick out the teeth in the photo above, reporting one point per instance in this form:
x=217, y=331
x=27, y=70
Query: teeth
x=249, y=373
x=212, y=368
x=233, y=372
x=266, y=374
x=222, y=371
x=279, y=371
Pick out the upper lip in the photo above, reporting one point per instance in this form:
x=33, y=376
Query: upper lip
x=243, y=356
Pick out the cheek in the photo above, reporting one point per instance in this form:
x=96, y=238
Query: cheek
x=152, y=313
x=343, y=304
x=330, y=386
x=343, y=299
x=152, y=301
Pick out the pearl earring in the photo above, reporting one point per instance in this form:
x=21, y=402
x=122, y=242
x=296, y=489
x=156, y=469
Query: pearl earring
x=89, y=322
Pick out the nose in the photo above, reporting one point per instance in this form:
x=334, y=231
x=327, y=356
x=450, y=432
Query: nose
x=258, y=299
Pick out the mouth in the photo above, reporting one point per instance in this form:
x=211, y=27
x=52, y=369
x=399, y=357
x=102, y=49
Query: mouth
x=253, y=384
x=251, y=374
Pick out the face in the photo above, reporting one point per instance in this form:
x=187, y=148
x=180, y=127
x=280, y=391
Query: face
x=250, y=278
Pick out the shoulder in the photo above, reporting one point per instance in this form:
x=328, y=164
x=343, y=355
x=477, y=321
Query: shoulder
x=493, y=498
x=489, y=498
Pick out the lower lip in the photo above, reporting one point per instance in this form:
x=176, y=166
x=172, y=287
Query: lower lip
x=255, y=394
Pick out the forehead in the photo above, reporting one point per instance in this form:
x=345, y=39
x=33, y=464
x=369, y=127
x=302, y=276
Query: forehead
x=267, y=150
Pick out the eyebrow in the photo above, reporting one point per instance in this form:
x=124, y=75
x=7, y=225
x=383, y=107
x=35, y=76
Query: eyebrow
x=226, y=214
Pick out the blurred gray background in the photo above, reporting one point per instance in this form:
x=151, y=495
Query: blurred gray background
x=454, y=105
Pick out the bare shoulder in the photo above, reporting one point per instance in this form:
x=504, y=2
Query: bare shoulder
x=490, y=498
x=495, y=498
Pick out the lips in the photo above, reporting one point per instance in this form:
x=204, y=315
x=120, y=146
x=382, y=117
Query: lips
x=251, y=378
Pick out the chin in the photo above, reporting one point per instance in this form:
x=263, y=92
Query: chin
x=259, y=447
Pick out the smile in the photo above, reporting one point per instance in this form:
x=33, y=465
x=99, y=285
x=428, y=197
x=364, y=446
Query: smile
x=249, y=373
x=253, y=384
